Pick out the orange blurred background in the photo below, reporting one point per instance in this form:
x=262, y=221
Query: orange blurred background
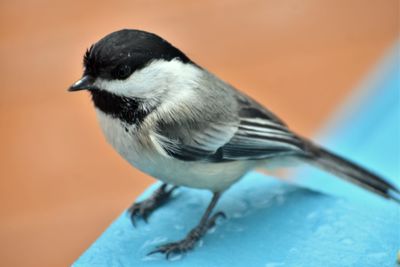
x=61, y=184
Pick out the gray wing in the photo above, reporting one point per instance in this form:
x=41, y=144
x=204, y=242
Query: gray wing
x=255, y=134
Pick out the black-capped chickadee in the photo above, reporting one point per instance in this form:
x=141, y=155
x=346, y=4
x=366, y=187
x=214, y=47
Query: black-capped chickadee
x=177, y=122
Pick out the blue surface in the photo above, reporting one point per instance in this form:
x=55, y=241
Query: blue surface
x=273, y=224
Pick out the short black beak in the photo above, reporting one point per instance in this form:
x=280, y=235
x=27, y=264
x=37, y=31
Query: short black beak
x=85, y=83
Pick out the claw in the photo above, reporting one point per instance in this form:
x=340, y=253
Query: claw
x=219, y=214
x=169, y=192
x=133, y=213
x=189, y=242
x=145, y=215
x=133, y=221
x=214, y=218
x=142, y=210
x=154, y=252
x=162, y=187
x=172, y=248
x=139, y=210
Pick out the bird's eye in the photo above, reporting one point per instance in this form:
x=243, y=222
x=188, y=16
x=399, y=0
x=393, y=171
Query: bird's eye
x=123, y=72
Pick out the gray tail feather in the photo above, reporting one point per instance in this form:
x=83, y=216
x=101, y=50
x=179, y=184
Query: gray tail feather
x=350, y=171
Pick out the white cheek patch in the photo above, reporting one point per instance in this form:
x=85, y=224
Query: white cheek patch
x=154, y=79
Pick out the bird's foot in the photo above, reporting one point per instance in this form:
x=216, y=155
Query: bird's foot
x=143, y=209
x=188, y=243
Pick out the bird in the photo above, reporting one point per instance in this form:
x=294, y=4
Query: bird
x=174, y=120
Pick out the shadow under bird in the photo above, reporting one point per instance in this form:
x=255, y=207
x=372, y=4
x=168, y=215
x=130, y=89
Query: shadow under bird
x=179, y=123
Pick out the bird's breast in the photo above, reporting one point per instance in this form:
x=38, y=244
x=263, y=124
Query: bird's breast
x=205, y=175
x=124, y=139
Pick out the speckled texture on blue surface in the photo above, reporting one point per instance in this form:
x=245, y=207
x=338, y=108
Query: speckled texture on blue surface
x=273, y=224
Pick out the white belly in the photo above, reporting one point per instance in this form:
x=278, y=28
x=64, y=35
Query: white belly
x=212, y=176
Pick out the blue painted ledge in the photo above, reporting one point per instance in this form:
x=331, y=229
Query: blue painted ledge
x=273, y=224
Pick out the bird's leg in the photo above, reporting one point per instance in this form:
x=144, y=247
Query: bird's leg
x=195, y=234
x=144, y=208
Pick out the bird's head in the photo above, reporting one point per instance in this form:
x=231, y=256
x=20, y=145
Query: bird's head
x=133, y=63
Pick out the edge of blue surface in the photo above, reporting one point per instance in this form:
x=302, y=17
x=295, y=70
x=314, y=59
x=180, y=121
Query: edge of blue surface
x=274, y=224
